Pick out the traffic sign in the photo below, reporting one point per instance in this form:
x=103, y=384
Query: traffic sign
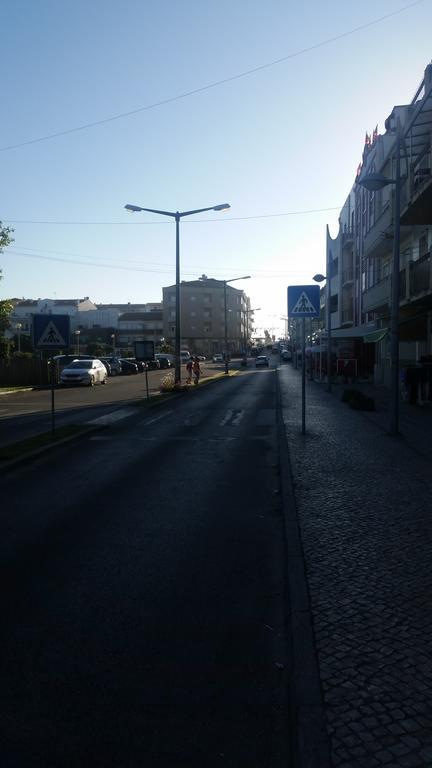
x=51, y=331
x=144, y=350
x=303, y=301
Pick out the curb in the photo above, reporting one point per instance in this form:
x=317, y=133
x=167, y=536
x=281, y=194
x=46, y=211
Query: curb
x=311, y=748
x=33, y=455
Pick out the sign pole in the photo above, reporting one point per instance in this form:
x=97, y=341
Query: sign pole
x=303, y=375
x=53, y=378
x=146, y=375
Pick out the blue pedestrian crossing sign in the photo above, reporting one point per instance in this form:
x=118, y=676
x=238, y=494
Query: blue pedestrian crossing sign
x=51, y=331
x=303, y=301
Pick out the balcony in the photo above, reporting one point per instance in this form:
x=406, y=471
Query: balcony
x=347, y=316
x=416, y=280
x=377, y=297
x=347, y=276
x=416, y=205
x=347, y=237
x=375, y=241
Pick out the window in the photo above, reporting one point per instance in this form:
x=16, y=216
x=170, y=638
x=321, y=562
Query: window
x=423, y=244
x=193, y=314
x=172, y=298
x=207, y=313
x=193, y=298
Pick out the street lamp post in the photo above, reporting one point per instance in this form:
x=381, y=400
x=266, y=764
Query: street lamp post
x=113, y=343
x=374, y=182
x=245, y=277
x=77, y=335
x=319, y=279
x=177, y=215
x=18, y=327
x=247, y=312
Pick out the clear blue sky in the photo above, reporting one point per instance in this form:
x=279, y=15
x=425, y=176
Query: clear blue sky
x=286, y=138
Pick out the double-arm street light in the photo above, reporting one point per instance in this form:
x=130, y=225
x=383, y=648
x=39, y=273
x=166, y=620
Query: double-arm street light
x=177, y=215
x=373, y=182
x=233, y=280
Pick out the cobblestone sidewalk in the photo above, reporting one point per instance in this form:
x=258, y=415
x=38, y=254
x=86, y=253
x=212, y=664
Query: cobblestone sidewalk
x=365, y=512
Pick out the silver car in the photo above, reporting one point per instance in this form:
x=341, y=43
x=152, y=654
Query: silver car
x=85, y=372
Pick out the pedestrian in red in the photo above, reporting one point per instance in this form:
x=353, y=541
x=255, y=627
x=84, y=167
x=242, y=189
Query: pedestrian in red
x=189, y=371
x=196, y=369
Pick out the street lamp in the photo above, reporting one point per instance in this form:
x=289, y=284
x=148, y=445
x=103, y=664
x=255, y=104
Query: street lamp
x=320, y=279
x=233, y=280
x=373, y=182
x=18, y=327
x=77, y=335
x=113, y=342
x=247, y=312
x=177, y=216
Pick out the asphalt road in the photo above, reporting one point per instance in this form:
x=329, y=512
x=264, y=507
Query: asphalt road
x=25, y=413
x=143, y=592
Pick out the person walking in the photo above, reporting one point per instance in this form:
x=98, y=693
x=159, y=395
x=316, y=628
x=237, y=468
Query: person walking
x=196, y=369
x=189, y=365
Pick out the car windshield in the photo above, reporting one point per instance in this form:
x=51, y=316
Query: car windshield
x=81, y=364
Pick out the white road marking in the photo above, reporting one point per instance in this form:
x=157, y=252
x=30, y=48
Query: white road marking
x=157, y=418
x=111, y=418
x=226, y=418
x=237, y=418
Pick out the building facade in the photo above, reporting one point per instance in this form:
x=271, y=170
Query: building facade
x=203, y=317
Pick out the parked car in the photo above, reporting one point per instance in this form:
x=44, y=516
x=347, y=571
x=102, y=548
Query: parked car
x=114, y=364
x=128, y=368
x=164, y=362
x=185, y=355
x=107, y=365
x=262, y=360
x=85, y=372
x=286, y=355
x=140, y=364
x=153, y=365
x=217, y=358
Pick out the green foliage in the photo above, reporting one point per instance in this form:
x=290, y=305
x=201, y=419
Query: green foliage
x=6, y=306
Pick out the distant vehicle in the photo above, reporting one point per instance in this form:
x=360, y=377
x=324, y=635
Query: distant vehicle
x=286, y=355
x=127, y=367
x=114, y=363
x=164, y=362
x=185, y=355
x=140, y=364
x=153, y=365
x=201, y=358
x=217, y=358
x=262, y=360
x=85, y=372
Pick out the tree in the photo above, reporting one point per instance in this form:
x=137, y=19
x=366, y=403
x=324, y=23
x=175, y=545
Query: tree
x=6, y=306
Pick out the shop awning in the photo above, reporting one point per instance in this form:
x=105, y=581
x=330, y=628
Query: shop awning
x=372, y=338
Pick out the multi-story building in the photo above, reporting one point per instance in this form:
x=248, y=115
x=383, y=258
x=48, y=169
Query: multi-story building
x=202, y=307
x=360, y=257
x=22, y=315
x=140, y=326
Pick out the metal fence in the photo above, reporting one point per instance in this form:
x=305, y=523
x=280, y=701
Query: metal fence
x=18, y=371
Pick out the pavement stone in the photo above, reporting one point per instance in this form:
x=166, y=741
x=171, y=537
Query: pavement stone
x=364, y=504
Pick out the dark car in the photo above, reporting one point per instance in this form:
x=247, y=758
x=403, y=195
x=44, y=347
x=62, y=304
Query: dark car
x=114, y=364
x=164, y=362
x=139, y=363
x=128, y=368
x=153, y=365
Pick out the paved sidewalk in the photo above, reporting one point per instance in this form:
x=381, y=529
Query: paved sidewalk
x=364, y=504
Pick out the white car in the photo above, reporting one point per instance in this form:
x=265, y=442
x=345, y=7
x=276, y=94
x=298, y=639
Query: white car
x=86, y=372
x=217, y=358
x=262, y=360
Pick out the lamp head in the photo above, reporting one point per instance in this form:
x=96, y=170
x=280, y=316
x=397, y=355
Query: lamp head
x=222, y=207
x=319, y=278
x=133, y=208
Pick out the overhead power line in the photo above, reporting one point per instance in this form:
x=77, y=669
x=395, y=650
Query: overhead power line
x=162, y=222
x=216, y=84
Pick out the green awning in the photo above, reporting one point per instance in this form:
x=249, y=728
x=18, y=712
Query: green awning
x=372, y=338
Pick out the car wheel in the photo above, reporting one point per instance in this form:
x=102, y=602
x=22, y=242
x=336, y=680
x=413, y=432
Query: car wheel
x=104, y=380
x=91, y=382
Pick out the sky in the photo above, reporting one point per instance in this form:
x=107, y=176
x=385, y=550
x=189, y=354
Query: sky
x=262, y=106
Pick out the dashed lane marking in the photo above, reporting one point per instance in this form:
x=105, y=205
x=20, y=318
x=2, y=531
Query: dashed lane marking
x=157, y=418
x=232, y=418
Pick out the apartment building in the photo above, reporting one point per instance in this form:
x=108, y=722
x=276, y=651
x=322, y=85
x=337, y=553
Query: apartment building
x=360, y=258
x=202, y=308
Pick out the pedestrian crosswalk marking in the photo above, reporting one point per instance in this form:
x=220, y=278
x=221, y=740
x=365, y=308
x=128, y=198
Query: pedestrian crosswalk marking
x=303, y=304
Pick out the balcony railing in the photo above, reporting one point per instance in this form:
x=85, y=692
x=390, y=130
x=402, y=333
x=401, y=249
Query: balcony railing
x=347, y=315
x=347, y=276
